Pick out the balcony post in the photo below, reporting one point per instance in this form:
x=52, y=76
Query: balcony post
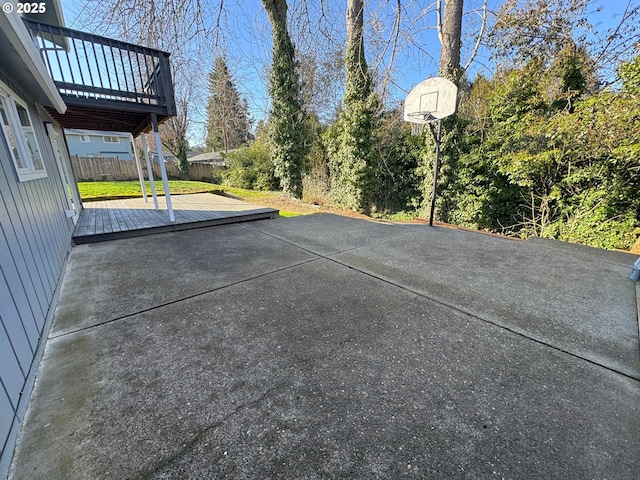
x=167, y=84
x=163, y=170
x=145, y=149
x=139, y=167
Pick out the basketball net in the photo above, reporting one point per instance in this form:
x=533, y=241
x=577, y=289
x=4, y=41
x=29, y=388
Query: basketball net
x=417, y=128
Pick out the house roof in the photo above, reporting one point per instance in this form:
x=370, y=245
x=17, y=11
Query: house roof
x=206, y=157
x=21, y=58
x=52, y=15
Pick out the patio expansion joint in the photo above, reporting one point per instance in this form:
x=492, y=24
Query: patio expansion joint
x=488, y=321
x=327, y=256
x=458, y=308
x=179, y=300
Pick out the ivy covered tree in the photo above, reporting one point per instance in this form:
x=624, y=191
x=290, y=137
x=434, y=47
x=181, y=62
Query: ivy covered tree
x=228, y=121
x=288, y=126
x=174, y=135
x=352, y=139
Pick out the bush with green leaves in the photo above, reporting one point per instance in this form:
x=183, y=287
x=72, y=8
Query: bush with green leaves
x=534, y=165
x=399, y=154
x=251, y=168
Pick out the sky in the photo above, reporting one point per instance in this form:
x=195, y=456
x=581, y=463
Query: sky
x=318, y=28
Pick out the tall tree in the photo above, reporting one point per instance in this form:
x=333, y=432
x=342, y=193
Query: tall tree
x=174, y=135
x=537, y=29
x=288, y=130
x=351, y=141
x=450, y=34
x=228, y=120
x=449, y=130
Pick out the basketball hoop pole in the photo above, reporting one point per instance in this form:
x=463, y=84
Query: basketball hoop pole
x=432, y=99
x=436, y=166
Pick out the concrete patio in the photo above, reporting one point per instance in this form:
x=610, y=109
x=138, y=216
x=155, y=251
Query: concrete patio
x=329, y=347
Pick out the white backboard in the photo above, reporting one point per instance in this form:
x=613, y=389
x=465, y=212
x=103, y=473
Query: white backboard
x=432, y=99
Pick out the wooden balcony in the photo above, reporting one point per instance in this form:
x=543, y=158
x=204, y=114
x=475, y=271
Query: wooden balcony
x=107, y=84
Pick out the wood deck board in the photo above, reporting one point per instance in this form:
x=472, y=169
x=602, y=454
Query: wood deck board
x=110, y=219
x=122, y=220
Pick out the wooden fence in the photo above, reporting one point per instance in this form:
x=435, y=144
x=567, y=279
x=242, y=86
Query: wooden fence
x=108, y=169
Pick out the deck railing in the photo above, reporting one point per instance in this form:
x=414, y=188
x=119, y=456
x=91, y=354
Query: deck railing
x=91, y=67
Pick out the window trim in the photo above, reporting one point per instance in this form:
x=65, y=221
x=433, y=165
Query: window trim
x=28, y=172
x=82, y=138
x=109, y=139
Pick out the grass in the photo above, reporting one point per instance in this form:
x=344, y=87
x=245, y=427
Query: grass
x=130, y=189
x=403, y=216
x=94, y=191
x=243, y=194
x=289, y=214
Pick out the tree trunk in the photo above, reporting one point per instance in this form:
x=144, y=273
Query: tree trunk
x=355, y=22
x=451, y=38
x=277, y=11
x=356, y=64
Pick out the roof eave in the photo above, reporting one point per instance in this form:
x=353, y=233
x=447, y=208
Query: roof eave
x=13, y=28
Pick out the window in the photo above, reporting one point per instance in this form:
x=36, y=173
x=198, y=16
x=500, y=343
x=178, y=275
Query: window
x=111, y=139
x=20, y=136
x=85, y=139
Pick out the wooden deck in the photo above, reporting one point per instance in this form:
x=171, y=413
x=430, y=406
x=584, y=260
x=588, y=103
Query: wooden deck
x=112, y=219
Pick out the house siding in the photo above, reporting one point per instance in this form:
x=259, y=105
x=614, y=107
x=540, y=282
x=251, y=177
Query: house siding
x=35, y=240
x=97, y=148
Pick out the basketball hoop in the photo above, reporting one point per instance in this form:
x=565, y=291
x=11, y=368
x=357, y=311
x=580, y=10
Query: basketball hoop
x=421, y=117
x=431, y=100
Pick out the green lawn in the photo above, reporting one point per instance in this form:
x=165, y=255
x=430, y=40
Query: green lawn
x=109, y=190
x=93, y=191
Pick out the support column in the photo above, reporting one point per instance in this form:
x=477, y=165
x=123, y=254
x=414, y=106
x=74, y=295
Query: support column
x=163, y=170
x=436, y=167
x=139, y=167
x=152, y=183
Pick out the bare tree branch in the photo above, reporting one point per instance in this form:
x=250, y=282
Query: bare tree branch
x=474, y=52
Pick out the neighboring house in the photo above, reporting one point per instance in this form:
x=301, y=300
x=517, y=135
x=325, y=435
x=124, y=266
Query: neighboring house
x=91, y=143
x=39, y=201
x=167, y=158
x=209, y=158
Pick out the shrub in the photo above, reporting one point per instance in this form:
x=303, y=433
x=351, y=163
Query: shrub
x=251, y=168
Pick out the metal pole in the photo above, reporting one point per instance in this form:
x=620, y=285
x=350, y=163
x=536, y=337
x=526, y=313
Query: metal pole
x=436, y=166
x=139, y=167
x=163, y=170
x=152, y=183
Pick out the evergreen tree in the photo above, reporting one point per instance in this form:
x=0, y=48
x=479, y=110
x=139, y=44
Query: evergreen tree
x=288, y=125
x=228, y=120
x=352, y=140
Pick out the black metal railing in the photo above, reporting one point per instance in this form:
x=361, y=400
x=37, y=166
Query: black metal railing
x=87, y=66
